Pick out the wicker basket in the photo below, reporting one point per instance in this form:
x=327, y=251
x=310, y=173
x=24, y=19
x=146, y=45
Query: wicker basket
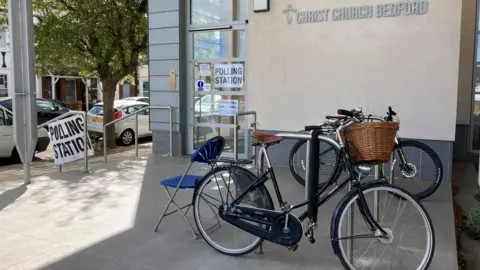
x=370, y=143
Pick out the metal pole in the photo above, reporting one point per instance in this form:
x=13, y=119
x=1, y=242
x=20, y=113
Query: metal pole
x=24, y=99
x=392, y=166
x=171, y=131
x=85, y=140
x=350, y=223
x=255, y=147
x=136, y=134
x=60, y=168
x=375, y=195
x=235, y=138
x=104, y=143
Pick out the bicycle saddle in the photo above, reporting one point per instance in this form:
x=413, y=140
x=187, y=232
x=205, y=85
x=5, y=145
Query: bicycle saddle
x=267, y=139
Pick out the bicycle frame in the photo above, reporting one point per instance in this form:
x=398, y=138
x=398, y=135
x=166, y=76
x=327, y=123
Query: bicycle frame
x=316, y=198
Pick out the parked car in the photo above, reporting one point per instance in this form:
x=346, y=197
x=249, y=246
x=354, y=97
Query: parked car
x=141, y=99
x=7, y=144
x=124, y=129
x=46, y=109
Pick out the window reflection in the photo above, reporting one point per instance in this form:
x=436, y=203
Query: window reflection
x=218, y=109
x=476, y=107
x=218, y=11
x=219, y=44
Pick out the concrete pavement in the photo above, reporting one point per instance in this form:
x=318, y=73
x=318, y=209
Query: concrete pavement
x=104, y=220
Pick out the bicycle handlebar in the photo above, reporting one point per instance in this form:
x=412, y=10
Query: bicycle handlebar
x=336, y=117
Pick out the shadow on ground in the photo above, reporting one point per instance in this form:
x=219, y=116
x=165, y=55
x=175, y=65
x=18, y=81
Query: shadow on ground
x=11, y=195
x=109, y=217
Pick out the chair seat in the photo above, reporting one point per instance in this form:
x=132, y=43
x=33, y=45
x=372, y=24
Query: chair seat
x=188, y=182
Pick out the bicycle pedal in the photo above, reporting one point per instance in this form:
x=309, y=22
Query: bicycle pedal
x=293, y=248
x=311, y=239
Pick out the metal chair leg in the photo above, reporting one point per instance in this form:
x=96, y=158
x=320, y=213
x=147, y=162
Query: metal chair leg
x=171, y=198
x=185, y=217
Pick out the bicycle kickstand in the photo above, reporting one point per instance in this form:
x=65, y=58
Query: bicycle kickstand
x=260, y=249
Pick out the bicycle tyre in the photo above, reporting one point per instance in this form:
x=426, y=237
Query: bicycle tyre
x=291, y=164
x=262, y=189
x=336, y=226
x=438, y=167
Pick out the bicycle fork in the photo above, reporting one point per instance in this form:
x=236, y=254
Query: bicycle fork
x=366, y=213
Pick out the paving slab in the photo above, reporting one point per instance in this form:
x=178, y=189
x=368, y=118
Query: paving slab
x=105, y=220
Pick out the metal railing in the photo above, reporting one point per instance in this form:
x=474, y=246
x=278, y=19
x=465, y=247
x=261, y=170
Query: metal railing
x=237, y=127
x=85, y=138
x=135, y=114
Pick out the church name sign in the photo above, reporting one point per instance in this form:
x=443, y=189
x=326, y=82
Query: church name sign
x=405, y=8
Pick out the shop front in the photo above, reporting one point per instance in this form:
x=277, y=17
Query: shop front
x=300, y=60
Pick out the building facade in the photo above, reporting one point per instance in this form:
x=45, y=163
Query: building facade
x=304, y=59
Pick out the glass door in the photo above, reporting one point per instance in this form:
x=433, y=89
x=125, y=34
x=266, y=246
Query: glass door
x=217, y=72
x=475, y=120
x=218, y=88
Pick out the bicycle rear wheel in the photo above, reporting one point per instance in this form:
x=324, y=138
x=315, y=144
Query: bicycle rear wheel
x=418, y=169
x=221, y=186
x=297, y=162
x=410, y=242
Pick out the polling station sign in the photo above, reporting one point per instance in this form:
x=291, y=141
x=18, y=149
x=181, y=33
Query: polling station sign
x=68, y=140
x=228, y=75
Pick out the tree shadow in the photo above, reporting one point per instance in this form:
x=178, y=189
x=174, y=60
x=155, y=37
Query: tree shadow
x=11, y=195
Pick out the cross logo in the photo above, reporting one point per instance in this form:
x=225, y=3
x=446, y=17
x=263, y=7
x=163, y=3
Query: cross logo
x=289, y=11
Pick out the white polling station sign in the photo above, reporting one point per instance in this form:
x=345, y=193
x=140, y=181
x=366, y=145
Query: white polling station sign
x=228, y=75
x=68, y=139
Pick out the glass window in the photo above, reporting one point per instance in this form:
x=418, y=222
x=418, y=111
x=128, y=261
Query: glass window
x=45, y=106
x=146, y=89
x=221, y=111
x=70, y=89
x=202, y=134
x=3, y=85
x=2, y=118
x=97, y=110
x=223, y=76
x=219, y=44
x=93, y=90
x=7, y=104
x=218, y=11
x=476, y=97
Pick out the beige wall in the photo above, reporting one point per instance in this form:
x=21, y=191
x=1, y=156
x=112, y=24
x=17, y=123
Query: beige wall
x=299, y=73
x=467, y=58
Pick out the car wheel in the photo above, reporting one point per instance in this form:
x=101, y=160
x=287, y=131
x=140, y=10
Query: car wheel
x=15, y=157
x=127, y=137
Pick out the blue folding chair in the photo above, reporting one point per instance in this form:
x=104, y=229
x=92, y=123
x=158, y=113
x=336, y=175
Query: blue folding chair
x=207, y=153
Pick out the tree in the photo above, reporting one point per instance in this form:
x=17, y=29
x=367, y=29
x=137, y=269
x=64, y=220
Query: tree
x=90, y=37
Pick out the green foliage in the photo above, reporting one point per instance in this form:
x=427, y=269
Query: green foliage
x=89, y=37
x=473, y=223
x=476, y=196
x=107, y=38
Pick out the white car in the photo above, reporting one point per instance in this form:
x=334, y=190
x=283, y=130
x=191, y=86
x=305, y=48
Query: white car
x=7, y=145
x=124, y=129
x=141, y=99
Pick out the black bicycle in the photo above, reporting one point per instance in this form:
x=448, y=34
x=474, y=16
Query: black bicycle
x=231, y=197
x=421, y=173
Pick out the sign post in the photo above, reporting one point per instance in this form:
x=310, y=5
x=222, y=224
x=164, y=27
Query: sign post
x=20, y=16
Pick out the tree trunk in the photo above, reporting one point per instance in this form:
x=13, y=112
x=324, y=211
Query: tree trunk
x=136, y=82
x=109, y=89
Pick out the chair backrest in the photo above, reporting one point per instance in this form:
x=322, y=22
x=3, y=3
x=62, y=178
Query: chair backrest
x=209, y=150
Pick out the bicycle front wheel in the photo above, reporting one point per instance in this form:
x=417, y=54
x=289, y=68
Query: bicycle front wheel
x=409, y=241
